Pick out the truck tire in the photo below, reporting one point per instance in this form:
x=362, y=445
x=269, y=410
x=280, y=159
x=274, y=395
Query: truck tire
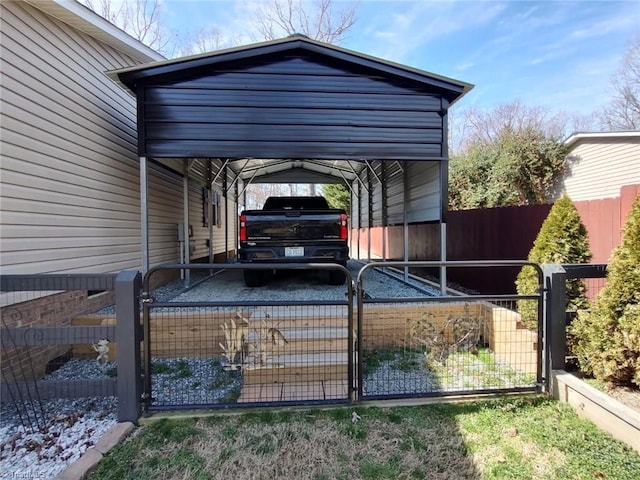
x=336, y=277
x=254, y=278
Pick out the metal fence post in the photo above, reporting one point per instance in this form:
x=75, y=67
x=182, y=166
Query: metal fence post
x=555, y=328
x=128, y=338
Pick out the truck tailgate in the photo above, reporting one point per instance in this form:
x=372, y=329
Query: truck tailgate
x=295, y=226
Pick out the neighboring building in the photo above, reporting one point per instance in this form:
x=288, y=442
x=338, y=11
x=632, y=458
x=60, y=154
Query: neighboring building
x=601, y=164
x=70, y=186
x=603, y=183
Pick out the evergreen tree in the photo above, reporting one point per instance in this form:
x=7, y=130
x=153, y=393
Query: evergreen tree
x=562, y=239
x=608, y=338
x=338, y=196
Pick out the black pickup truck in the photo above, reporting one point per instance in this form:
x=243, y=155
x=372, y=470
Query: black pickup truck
x=293, y=230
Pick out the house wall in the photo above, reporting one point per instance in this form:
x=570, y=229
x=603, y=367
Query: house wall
x=70, y=195
x=603, y=183
x=70, y=177
x=600, y=166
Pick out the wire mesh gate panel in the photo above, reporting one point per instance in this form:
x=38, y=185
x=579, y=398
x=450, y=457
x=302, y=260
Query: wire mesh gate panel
x=208, y=353
x=450, y=345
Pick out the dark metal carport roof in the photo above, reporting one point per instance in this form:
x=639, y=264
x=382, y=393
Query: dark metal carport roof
x=296, y=110
x=279, y=110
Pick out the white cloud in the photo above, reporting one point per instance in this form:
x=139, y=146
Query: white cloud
x=606, y=26
x=419, y=23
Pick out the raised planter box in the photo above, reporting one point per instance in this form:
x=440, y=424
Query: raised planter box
x=606, y=412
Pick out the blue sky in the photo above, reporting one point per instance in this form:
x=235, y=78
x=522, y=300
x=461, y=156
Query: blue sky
x=553, y=54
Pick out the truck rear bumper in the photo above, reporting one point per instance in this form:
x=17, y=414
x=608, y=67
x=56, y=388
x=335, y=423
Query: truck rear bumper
x=313, y=254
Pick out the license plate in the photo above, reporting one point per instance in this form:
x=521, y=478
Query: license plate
x=294, y=251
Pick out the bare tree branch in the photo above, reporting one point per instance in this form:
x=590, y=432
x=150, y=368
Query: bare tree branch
x=142, y=19
x=316, y=19
x=623, y=110
x=203, y=41
x=484, y=127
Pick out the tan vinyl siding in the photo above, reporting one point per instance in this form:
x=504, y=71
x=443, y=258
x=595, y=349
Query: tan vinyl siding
x=70, y=195
x=231, y=213
x=166, y=212
x=69, y=175
x=201, y=232
x=602, y=166
x=196, y=217
x=198, y=170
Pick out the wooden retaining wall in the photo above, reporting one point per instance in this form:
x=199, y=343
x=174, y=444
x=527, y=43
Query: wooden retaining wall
x=196, y=335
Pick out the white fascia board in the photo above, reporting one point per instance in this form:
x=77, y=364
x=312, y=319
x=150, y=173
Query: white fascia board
x=578, y=136
x=86, y=20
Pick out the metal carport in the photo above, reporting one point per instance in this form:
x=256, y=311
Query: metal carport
x=296, y=110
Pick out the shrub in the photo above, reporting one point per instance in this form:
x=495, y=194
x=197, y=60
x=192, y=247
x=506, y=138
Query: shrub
x=608, y=338
x=562, y=239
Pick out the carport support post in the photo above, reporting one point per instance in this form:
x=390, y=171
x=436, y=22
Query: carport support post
x=225, y=188
x=385, y=210
x=144, y=213
x=443, y=258
x=359, y=217
x=210, y=210
x=128, y=338
x=405, y=223
x=185, y=220
x=554, y=321
x=444, y=194
x=369, y=214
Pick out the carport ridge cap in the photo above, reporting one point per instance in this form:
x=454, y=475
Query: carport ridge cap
x=131, y=76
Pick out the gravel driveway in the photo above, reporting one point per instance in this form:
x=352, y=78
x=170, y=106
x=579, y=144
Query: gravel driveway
x=301, y=285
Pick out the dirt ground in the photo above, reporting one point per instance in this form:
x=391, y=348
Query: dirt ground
x=628, y=396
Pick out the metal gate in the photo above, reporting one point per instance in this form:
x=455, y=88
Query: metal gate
x=217, y=354
x=213, y=354
x=450, y=345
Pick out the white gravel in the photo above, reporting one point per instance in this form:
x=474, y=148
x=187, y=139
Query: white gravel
x=193, y=381
x=68, y=428
x=58, y=432
x=302, y=285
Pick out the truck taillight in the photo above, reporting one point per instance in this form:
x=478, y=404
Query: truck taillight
x=243, y=228
x=344, y=227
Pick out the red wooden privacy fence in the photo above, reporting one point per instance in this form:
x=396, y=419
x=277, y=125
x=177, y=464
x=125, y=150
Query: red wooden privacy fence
x=504, y=233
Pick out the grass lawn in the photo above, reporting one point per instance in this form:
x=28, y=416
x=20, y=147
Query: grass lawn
x=509, y=438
